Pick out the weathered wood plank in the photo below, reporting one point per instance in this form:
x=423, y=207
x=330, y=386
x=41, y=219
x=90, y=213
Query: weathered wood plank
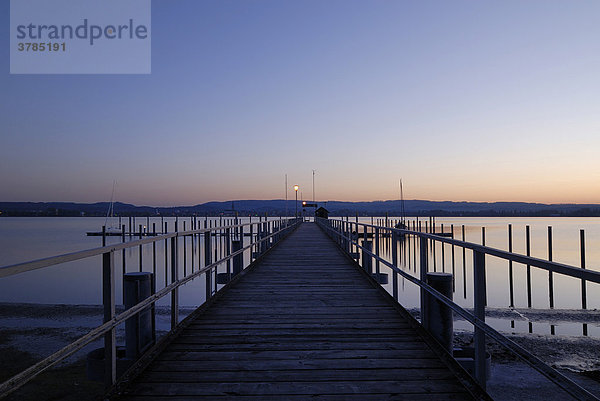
x=308, y=322
x=305, y=388
x=297, y=375
x=295, y=345
x=304, y=324
x=315, y=364
x=316, y=397
x=190, y=338
x=189, y=355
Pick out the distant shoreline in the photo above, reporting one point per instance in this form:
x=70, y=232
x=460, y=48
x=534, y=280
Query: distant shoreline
x=279, y=207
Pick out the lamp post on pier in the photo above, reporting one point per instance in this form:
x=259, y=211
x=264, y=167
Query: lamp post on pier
x=296, y=187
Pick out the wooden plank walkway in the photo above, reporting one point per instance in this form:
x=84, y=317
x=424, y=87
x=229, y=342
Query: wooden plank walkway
x=303, y=324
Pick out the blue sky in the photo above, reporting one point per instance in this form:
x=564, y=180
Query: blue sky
x=463, y=100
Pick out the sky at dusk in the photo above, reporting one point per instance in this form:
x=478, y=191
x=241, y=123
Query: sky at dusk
x=463, y=100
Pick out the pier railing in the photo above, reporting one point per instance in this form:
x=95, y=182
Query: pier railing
x=263, y=235
x=352, y=238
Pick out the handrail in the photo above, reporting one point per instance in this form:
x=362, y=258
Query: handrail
x=10, y=270
x=109, y=326
x=478, y=322
x=561, y=268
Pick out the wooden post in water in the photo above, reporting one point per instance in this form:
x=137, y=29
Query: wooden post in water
x=484, y=276
x=140, y=248
x=395, y=263
x=154, y=255
x=407, y=244
x=464, y=263
x=123, y=252
x=583, y=283
x=528, y=252
x=510, y=269
x=453, y=263
x=442, y=245
x=550, y=278
x=184, y=252
x=415, y=250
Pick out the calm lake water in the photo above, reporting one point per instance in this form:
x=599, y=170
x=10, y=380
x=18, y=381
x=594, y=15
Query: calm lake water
x=28, y=238
x=565, y=249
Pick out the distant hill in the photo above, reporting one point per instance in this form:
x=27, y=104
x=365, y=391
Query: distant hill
x=278, y=207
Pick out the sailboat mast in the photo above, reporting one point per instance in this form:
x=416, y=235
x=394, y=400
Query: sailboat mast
x=109, y=212
x=402, y=202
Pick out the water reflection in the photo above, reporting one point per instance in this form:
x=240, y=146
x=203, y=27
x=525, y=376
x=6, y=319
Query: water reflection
x=509, y=284
x=79, y=282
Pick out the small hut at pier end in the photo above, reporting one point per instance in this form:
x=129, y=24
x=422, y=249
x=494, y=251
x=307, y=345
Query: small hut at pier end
x=322, y=213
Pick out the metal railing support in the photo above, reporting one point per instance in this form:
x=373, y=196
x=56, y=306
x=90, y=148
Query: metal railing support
x=395, y=263
x=376, y=241
x=108, y=300
x=207, y=261
x=367, y=259
x=174, y=278
x=479, y=309
x=423, y=275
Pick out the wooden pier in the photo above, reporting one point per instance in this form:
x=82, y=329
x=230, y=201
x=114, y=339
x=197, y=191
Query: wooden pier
x=304, y=323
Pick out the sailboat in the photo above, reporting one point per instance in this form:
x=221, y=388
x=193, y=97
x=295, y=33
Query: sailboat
x=402, y=223
x=111, y=229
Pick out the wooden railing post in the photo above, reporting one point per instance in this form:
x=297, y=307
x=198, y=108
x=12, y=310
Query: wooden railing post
x=479, y=309
x=174, y=278
x=252, y=248
x=207, y=261
x=528, y=253
x=108, y=300
x=395, y=263
x=376, y=252
x=423, y=275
